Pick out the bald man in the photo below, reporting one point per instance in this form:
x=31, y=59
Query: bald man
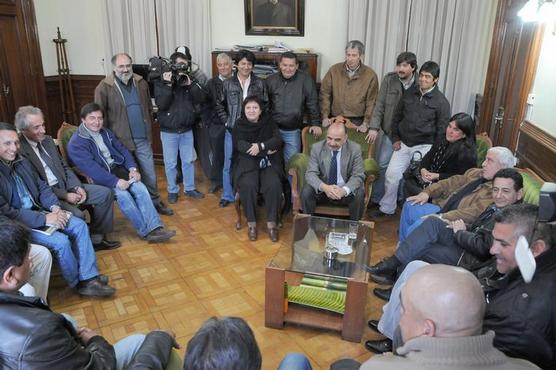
x=335, y=173
x=441, y=325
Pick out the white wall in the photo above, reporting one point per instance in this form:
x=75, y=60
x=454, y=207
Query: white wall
x=541, y=113
x=325, y=29
x=80, y=23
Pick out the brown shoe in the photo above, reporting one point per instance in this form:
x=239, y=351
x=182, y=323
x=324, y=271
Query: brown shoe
x=273, y=233
x=160, y=235
x=252, y=233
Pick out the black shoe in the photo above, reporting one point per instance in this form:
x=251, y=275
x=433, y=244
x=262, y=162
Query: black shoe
x=160, y=235
x=95, y=288
x=383, y=294
x=195, y=194
x=224, y=203
x=213, y=188
x=162, y=209
x=379, y=346
x=107, y=245
x=172, y=198
x=373, y=325
x=385, y=271
x=377, y=213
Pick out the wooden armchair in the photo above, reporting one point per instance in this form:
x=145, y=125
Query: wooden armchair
x=63, y=137
x=297, y=166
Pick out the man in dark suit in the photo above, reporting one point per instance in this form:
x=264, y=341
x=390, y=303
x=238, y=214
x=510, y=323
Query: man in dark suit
x=335, y=173
x=42, y=152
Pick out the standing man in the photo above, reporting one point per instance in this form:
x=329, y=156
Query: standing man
x=420, y=119
x=176, y=96
x=24, y=197
x=43, y=154
x=228, y=107
x=217, y=130
x=290, y=93
x=125, y=99
x=335, y=173
x=393, y=86
x=349, y=89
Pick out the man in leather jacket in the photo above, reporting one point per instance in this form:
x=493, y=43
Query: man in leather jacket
x=290, y=93
x=34, y=337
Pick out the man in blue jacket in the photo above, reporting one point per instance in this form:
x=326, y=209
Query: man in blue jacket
x=26, y=198
x=101, y=156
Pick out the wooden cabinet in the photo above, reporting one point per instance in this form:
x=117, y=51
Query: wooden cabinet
x=307, y=61
x=21, y=73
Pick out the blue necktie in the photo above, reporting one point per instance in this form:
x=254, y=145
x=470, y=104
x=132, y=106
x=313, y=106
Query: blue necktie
x=333, y=173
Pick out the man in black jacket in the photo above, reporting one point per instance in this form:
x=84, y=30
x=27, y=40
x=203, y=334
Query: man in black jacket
x=43, y=154
x=452, y=242
x=420, y=119
x=290, y=93
x=175, y=96
x=34, y=337
x=216, y=129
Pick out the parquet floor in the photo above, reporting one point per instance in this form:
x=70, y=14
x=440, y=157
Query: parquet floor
x=208, y=269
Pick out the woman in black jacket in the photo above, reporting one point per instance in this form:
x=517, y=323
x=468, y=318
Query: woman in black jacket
x=257, y=165
x=453, y=155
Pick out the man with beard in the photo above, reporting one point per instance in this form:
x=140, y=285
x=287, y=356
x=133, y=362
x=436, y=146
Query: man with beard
x=128, y=112
x=392, y=87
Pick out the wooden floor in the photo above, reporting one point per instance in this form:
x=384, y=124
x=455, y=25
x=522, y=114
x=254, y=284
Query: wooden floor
x=208, y=269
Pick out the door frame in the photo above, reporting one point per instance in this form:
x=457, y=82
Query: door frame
x=532, y=41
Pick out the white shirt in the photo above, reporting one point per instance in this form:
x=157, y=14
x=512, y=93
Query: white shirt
x=244, y=85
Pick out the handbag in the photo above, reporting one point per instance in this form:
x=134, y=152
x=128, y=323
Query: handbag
x=413, y=182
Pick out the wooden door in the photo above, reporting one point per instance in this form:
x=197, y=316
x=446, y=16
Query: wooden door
x=21, y=73
x=513, y=59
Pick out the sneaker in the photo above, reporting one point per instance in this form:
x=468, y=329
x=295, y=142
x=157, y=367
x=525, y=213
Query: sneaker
x=95, y=288
x=172, y=198
x=194, y=194
x=160, y=235
x=162, y=209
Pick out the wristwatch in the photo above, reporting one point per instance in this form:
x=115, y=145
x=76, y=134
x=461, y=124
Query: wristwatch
x=132, y=169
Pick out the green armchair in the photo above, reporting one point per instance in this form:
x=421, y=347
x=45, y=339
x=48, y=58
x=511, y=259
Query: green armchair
x=298, y=163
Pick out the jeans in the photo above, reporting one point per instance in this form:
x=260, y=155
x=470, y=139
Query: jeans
x=292, y=143
x=295, y=361
x=227, y=189
x=73, y=249
x=137, y=206
x=394, y=173
x=385, y=152
x=172, y=144
x=125, y=349
x=37, y=286
x=391, y=311
x=411, y=217
x=144, y=156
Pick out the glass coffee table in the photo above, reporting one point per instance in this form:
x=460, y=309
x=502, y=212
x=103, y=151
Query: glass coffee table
x=320, y=280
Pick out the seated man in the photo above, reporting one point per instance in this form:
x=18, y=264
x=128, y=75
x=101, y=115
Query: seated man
x=441, y=325
x=43, y=154
x=34, y=337
x=452, y=242
x=521, y=314
x=229, y=344
x=458, y=197
x=26, y=198
x=101, y=156
x=335, y=173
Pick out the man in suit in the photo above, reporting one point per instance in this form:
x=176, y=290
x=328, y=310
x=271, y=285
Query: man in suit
x=43, y=154
x=335, y=173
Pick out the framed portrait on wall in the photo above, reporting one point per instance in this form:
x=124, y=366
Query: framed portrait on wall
x=274, y=17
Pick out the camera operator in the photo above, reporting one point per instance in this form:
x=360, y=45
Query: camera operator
x=176, y=94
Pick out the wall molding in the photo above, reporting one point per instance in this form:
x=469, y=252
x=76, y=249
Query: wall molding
x=536, y=149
